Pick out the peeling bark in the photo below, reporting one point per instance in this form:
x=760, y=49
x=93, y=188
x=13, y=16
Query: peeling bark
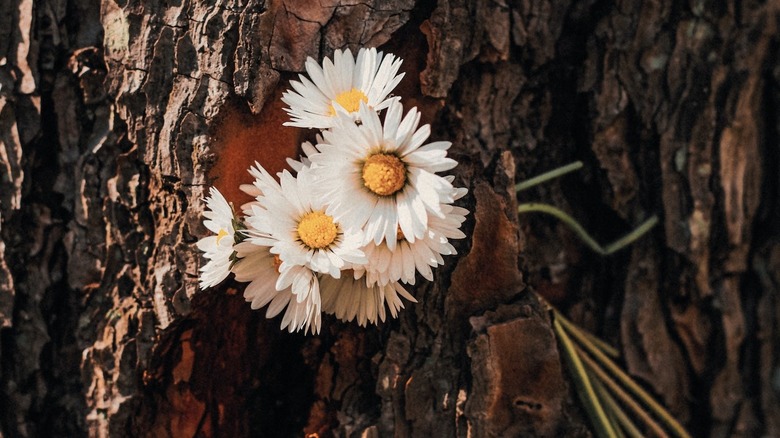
x=115, y=117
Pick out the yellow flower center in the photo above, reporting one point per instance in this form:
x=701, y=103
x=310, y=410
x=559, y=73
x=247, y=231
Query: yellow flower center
x=317, y=230
x=222, y=233
x=399, y=234
x=384, y=174
x=349, y=100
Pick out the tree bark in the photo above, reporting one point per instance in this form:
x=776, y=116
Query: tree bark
x=116, y=116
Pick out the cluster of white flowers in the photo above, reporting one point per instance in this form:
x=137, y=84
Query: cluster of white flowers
x=364, y=212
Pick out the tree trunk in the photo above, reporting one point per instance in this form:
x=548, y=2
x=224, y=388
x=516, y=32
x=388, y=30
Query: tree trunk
x=116, y=117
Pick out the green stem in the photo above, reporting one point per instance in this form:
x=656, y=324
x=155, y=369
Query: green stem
x=624, y=397
x=636, y=390
x=555, y=173
x=584, y=337
x=535, y=207
x=616, y=410
x=632, y=236
x=584, y=388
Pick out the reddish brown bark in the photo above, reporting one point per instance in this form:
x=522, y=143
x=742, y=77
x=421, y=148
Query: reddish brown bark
x=116, y=116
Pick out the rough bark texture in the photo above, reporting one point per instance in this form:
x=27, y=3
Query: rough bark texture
x=115, y=117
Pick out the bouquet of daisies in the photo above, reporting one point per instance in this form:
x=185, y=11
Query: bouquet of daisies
x=363, y=213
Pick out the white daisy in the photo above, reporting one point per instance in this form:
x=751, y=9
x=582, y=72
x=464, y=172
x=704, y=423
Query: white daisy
x=386, y=265
x=308, y=149
x=294, y=224
x=218, y=248
x=380, y=177
x=349, y=298
x=340, y=86
x=255, y=189
x=259, y=267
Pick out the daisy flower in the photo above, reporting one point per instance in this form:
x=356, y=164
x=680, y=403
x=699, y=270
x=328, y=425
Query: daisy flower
x=260, y=268
x=255, y=189
x=386, y=265
x=219, y=247
x=308, y=149
x=294, y=224
x=350, y=298
x=341, y=86
x=381, y=178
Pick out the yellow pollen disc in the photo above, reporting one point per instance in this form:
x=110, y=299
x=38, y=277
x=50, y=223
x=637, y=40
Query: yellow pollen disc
x=277, y=262
x=384, y=174
x=222, y=233
x=349, y=100
x=317, y=230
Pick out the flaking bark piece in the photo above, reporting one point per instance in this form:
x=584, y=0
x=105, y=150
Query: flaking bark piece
x=518, y=387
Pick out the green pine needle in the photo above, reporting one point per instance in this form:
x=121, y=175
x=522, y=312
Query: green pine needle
x=596, y=413
x=535, y=207
x=590, y=360
x=555, y=173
